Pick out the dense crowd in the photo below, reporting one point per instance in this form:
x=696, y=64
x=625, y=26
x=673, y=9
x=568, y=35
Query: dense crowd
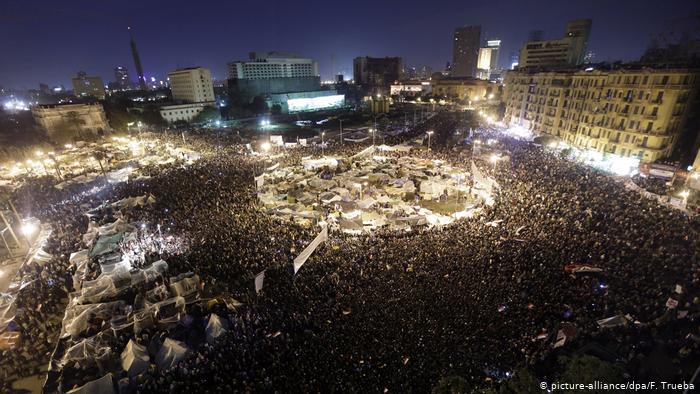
x=397, y=311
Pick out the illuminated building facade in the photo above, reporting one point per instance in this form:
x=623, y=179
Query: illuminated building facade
x=192, y=85
x=60, y=120
x=564, y=52
x=465, y=51
x=266, y=65
x=465, y=89
x=182, y=112
x=306, y=101
x=488, y=59
x=627, y=112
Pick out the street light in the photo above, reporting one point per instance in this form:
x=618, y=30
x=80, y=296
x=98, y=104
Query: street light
x=429, y=134
x=323, y=134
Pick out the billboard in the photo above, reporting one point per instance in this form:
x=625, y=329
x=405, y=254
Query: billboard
x=315, y=103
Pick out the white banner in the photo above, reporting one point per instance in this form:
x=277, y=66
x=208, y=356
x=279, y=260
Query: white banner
x=259, y=278
x=304, y=255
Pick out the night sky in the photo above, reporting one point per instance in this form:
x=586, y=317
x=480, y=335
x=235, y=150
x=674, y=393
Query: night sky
x=50, y=40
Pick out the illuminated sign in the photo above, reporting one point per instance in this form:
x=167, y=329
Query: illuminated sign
x=311, y=104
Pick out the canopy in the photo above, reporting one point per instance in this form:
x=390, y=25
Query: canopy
x=135, y=358
x=102, y=385
x=215, y=328
x=171, y=353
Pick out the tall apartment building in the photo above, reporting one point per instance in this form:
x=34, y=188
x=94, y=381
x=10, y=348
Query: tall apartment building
x=85, y=86
x=192, y=85
x=564, y=52
x=376, y=74
x=465, y=51
x=265, y=65
x=627, y=112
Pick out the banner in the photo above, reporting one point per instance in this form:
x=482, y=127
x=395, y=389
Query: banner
x=259, y=278
x=304, y=255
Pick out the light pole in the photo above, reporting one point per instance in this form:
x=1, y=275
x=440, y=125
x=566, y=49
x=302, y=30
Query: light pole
x=685, y=194
x=323, y=134
x=373, y=131
x=341, y=133
x=429, y=134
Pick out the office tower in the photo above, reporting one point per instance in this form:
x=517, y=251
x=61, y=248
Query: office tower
x=192, y=85
x=265, y=65
x=86, y=86
x=121, y=77
x=465, y=51
x=488, y=59
x=376, y=74
x=137, y=62
x=567, y=51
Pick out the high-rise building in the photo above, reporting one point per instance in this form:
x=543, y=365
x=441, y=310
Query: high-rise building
x=137, y=62
x=564, y=52
x=192, y=85
x=465, y=51
x=121, y=77
x=266, y=65
x=488, y=59
x=629, y=112
x=85, y=86
x=268, y=73
x=376, y=74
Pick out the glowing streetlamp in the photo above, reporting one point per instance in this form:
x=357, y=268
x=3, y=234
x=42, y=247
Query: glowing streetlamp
x=323, y=146
x=429, y=134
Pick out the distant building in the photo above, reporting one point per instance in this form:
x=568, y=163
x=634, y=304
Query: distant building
x=268, y=65
x=270, y=73
x=465, y=51
x=630, y=112
x=182, y=112
x=85, y=86
x=488, y=59
x=376, y=74
x=564, y=52
x=192, y=85
x=121, y=78
x=62, y=122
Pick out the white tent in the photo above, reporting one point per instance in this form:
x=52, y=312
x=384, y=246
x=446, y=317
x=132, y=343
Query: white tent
x=135, y=359
x=215, y=328
x=171, y=353
x=102, y=385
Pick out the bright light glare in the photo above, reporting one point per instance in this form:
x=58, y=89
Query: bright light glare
x=28, y=229
x=493, y=158
x=265, y=146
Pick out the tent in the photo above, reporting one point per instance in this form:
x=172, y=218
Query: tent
x=171, y=353
x=135, y=359
x=102, y=385
x=215, y=328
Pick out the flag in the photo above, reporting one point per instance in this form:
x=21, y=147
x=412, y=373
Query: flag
x=304, y=255
x=259, y=278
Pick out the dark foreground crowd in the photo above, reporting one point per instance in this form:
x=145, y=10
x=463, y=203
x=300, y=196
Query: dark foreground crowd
x=398, y=311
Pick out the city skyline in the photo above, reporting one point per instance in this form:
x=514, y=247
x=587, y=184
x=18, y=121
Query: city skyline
x=96, y=39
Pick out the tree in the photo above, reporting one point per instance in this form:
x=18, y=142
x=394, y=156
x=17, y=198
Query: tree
x=208, y=114
x=276, y=109
x=151, y=116
x=258, y=106
x=451, y=385
x=588, y=369
x=522, y=382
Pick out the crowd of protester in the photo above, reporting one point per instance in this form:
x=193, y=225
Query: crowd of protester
x=395, y=311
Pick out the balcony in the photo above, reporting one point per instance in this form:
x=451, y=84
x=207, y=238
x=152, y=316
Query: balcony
x=650, y=117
